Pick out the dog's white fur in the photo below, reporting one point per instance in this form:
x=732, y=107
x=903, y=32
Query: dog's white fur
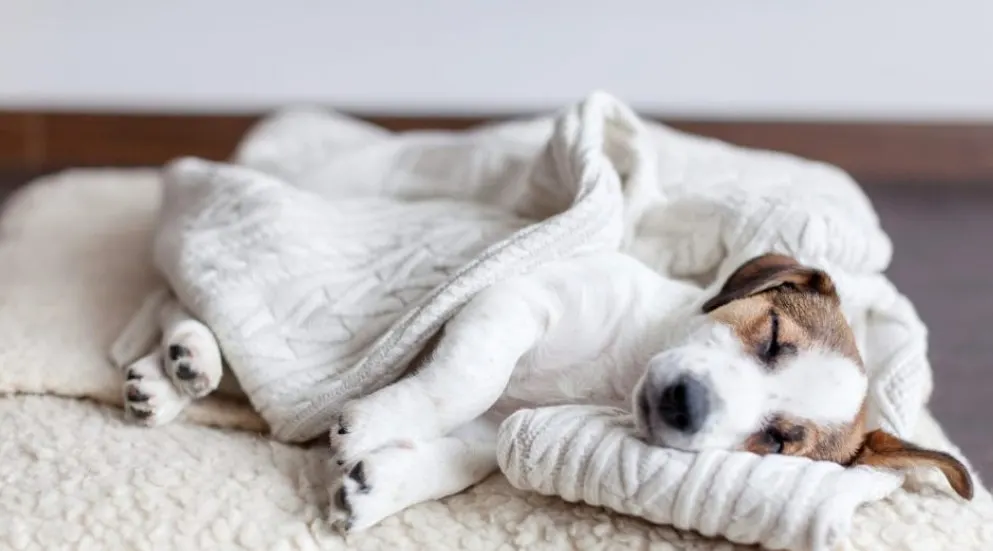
x=595, y=330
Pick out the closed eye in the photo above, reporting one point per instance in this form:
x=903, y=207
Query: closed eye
x=777, y=438
x=774, y=347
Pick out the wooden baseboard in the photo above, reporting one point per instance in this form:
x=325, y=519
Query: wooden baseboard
x=872, y=152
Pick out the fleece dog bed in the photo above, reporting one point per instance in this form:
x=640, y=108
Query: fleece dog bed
x=75, y=258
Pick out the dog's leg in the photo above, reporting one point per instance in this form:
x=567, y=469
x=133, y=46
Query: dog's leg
x=392, y=479
x=192, y=355
x=150, y=398
x=462, y=379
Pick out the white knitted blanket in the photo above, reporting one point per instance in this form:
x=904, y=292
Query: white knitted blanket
x=323, y=264
x=330, y=251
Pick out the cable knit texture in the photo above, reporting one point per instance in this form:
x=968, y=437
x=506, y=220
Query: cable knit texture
x=74, y=469
x=591, y=455
x=323, y=289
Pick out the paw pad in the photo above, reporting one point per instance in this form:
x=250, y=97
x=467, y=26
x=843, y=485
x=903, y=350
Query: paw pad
x=184, y=372
x=141, y=413
x=135, y=395
x=358, y=475
x=177, y=351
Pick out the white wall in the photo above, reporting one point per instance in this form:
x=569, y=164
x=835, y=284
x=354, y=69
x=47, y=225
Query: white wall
x=917, y=59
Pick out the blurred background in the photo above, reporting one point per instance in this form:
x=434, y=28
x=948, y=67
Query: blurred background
x=899, y=93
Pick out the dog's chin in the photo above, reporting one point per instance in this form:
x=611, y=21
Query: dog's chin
x=650, y=435
x=659, y=437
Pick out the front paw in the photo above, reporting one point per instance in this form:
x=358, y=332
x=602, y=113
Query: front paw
x=370, y=490
x=361, y=430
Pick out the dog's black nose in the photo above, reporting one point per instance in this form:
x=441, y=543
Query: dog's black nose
x=684, y=405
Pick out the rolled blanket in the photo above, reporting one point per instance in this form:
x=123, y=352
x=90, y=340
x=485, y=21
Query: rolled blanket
x=589, y=454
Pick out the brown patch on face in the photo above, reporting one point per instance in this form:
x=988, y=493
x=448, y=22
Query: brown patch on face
x=776, y=307
x=804, y=321
x=802, y=438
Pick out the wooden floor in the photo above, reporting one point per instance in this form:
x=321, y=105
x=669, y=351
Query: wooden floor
x=942, y=236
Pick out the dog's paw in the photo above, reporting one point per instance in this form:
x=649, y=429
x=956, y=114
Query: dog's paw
x=193, y=363
x=370, y=490
x=361, y=430
x=150, y=399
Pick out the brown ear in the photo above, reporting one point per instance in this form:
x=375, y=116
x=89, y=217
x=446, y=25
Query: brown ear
x=884, y=450
x=768, y=272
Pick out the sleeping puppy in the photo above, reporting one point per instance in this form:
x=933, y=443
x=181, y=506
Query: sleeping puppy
x=768, y=365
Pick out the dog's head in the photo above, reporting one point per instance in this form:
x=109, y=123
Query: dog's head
x=770, y=365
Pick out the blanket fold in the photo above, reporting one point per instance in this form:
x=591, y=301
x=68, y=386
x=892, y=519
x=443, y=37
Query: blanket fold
x=329, y=251
x=318, y=294
x=591, y=455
